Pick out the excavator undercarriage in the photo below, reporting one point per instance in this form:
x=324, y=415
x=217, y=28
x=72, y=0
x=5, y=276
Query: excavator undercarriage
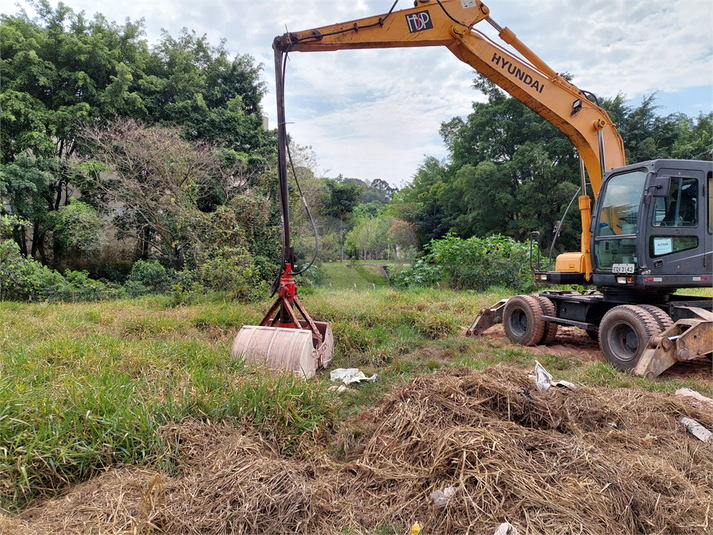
x=640, y=338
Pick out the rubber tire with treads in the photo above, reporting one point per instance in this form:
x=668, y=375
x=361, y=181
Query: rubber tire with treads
x=624, y=334
x=548, y=309
x=522, y=319
x=663, y=320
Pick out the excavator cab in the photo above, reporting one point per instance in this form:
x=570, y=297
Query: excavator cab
x=651, y=229
x=651, y=234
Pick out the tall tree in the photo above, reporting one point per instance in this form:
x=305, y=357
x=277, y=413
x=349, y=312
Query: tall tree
x=60, y=71
x=57, y=71
x=214, y=97
x=338, y=201
x=157, y=178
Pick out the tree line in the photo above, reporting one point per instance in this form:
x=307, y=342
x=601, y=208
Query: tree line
x=99, y=127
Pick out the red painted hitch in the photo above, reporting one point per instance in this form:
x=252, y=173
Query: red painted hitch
x=287, y=301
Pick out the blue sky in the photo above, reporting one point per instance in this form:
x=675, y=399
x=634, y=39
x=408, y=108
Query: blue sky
x=691, y=101
x=376, y=114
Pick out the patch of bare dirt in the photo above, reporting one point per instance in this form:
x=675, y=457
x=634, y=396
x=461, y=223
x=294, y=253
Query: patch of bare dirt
x=590, y=461
x=574, y=342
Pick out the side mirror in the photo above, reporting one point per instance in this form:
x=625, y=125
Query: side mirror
x=661, y=186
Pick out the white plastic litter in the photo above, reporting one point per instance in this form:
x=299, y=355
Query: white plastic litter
x=506, y=528
x=543, y=379
x=350, y=375
x=697, y=430
x=440, y=497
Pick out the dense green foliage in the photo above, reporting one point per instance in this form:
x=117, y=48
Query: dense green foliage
x=24, y=279
x=472, y=264
x=69, y=87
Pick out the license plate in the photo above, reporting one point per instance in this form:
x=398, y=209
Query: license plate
x=623, y=268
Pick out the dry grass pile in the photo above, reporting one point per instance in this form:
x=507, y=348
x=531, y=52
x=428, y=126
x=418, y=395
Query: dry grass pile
x=587, y=461
x=119, y=501
x=233, y=482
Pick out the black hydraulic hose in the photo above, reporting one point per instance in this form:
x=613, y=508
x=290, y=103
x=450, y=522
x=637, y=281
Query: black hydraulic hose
x=283, y=149
x=380, y=22
x=590, y=96
x=284, y=155
x=309, y=214
x=558, y=228
x=449, y=15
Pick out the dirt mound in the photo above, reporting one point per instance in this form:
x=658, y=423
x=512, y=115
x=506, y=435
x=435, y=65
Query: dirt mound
x=588, y=460
x=574, y=342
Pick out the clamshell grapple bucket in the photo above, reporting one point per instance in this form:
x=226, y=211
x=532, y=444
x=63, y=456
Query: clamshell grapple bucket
x=284, y=342
x=278, y=348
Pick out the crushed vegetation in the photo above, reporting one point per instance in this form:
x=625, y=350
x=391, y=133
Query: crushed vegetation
x=589, y=460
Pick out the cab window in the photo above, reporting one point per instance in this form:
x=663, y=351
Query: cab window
x=680, y=208
x=620, y=206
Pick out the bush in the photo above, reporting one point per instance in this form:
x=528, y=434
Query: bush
x=231, y=270
x=148, y=276
x=420, y=274
x=472, y=264
x=25, y=279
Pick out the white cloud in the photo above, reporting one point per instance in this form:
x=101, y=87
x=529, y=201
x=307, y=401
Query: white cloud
x=375, y=114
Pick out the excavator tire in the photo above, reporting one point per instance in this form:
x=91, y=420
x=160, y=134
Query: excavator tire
x=522, y=320
x=548, y=308
x=663, y=320
x=624, y=334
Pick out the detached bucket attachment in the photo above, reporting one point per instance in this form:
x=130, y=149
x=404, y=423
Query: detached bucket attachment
x=285, y=342
x=486, y=318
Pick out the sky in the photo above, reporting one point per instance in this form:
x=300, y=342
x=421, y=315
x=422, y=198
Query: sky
x=372, y=114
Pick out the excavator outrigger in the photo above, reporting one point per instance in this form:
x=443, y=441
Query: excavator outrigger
x=651, y=231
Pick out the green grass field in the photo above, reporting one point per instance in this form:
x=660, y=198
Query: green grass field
x=360, y=275
x=86, y=386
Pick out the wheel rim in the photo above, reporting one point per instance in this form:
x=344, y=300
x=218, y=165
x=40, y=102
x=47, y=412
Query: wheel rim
x=624, y=342
x=518, y=322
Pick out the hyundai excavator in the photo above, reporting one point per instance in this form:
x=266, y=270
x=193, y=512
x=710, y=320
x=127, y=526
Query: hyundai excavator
x=650, y=232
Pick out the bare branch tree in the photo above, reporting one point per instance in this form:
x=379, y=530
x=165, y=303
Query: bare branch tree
x=157, y=179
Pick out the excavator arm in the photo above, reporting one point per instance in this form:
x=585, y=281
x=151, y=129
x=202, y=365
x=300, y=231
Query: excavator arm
x=451, y=23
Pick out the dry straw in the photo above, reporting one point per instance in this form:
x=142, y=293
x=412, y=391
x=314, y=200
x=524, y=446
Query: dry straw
x=590, y=460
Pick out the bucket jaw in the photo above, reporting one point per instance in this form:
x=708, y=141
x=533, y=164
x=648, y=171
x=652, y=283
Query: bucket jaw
x=284, y=342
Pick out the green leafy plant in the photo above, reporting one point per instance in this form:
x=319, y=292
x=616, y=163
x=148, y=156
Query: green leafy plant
x=472, y=264
x=231, y=270
x=151, y=275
